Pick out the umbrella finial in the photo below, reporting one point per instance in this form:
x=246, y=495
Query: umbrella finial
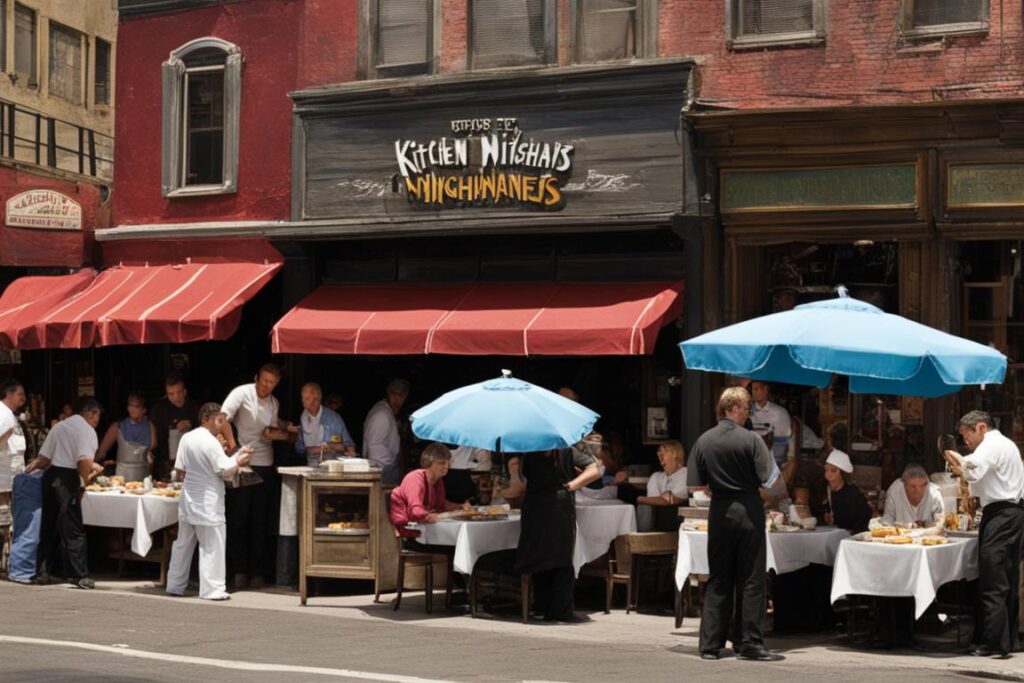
x=506, y=373
x=842, y=291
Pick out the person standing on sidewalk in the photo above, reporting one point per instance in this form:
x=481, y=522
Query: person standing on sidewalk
x=204, y=466
x=995, y=474
x=253, y=410
x=67, y=458
x=734, y=463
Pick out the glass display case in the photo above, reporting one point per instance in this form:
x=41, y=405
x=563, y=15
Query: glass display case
x=344, y=532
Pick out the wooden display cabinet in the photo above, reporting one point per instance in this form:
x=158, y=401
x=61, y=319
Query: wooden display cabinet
x=366, y=550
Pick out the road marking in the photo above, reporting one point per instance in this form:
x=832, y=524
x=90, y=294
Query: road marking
x=221, y=663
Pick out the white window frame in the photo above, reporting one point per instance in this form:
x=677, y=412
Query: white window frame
x=174, y=113
x=816, y=36
x=908, y=30
x=646, y=31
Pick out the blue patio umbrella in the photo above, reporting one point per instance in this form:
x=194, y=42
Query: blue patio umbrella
x=504, y=415
x=880, y=352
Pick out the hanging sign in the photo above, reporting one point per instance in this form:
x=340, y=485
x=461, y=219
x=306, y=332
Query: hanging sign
x=44, y=209
x=485, y=162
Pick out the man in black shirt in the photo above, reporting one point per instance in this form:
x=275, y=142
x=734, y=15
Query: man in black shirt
x=734, y=464
x=173, y=415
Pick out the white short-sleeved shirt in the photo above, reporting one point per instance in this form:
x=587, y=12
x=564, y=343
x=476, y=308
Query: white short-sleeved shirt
x=898, y=508
x=202, y=458
x=69, y=441
x=660, y=482
x=771, y=417
x=251, y=415
x=994, y=471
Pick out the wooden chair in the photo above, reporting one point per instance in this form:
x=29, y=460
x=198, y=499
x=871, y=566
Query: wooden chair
x=630, y=549
x=425, y=560
x=602, y=568
x=524, y=592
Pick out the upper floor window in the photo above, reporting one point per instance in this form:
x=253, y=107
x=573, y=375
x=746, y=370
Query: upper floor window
x=757, y=23
x=511, y=33
x=65, y=75
x=615, y=29
x=25, y=44
x=101, y=77
x=202, y=90
x=402, y=41
x=941, y=17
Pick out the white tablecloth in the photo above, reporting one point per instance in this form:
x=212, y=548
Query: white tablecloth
x=290, y=479
x=902, y=570
x=597, y=525
x=786, y=551
x=142, y=514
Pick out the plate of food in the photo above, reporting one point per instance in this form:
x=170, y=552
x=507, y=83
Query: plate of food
x=353, y=528
x=934, y=540
x=787, y=528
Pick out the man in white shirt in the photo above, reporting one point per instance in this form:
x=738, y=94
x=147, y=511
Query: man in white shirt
x=67, y=458
x=381, y=442
x=768, y=417
x=252, y=408
x=913, y=502
x=995, y=473
x=204, y=466
x=12, y=442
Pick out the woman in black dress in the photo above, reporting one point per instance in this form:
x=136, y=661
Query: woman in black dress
x=548, y=535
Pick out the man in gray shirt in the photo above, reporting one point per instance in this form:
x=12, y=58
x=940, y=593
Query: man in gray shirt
x=734, y=463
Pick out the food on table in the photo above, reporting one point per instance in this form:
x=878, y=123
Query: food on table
x=898, y=540
x=96, y=487
x=885, y=532
x=134, y=485
x=952, y=521
x=702, y=527
x=116, y=480
x=934, y=540
x=165, y=492
x=348, y=525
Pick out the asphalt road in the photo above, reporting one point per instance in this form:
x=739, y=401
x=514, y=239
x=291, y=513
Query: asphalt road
x=56, y=633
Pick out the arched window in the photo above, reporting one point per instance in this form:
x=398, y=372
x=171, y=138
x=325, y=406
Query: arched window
x=202, y=96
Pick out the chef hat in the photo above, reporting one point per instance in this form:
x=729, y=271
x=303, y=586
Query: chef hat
x=839, y=460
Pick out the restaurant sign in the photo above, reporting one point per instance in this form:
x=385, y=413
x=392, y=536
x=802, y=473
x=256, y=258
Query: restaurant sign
x=485, y=162
x=44, y=209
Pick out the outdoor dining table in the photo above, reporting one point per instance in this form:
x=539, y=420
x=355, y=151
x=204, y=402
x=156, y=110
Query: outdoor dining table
x=786, y=551
x=886, y=570
x=143, y=514
x=598, y=523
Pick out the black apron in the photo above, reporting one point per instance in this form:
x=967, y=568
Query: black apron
x=548, y=533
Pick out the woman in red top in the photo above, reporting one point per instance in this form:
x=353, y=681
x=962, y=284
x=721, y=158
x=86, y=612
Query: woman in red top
x=420, y=496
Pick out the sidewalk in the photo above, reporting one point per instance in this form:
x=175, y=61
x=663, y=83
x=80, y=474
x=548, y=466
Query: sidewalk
x=645, y=631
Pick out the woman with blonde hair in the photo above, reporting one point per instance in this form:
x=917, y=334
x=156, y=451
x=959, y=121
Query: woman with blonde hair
x=666, y=490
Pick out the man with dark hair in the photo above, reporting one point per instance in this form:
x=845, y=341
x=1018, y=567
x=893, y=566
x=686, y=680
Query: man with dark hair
x=173, y=416
x=381, y=442
x=734, y=464
x=67, y=456
x=12, y=443
x=994, y=473
x=204, y=468
x=253, y=410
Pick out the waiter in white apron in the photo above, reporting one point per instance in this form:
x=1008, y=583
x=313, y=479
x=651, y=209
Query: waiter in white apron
x=135, y=437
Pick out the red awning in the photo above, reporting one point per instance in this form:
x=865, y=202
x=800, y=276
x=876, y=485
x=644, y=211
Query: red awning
x=509, y=319
x=130, y=305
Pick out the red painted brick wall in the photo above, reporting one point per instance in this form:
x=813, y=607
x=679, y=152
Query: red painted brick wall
x=865, y=60
x=285, y=46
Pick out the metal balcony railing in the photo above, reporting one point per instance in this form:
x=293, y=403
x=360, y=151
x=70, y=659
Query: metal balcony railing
x=29, y=136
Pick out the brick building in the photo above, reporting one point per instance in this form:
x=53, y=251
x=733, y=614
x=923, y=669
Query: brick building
x=712, y=142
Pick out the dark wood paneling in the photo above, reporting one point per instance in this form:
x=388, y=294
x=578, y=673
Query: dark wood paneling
x=623, y=123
